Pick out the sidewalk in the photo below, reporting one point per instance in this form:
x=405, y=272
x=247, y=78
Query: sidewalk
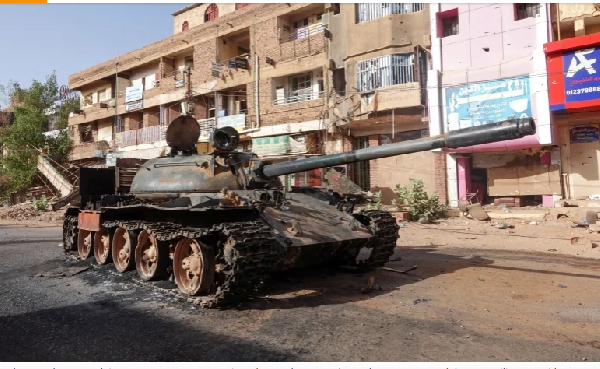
x=547, y=236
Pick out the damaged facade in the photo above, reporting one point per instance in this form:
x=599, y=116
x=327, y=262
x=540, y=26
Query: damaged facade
x=293, y=78
x=379, y=60
x=489, y=65
x=257, y=67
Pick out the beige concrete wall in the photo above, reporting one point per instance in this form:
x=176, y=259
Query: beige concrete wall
x=195, y=15
x=427, y=166
x=105, y=130
x=240, y=19
x=572, y=11
x=352, y=43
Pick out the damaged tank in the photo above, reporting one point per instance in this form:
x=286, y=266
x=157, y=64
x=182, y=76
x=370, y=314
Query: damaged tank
x=219, y=224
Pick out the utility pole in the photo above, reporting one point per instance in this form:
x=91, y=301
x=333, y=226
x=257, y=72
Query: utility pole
x=116, y=97
x=218, y=66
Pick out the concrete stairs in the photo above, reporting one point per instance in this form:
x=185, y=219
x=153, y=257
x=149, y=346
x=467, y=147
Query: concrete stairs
x=54, y=176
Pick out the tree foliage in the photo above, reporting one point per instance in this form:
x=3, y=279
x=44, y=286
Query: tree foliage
x=24, y=139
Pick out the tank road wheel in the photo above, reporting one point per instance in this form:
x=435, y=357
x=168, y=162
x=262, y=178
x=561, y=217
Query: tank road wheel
x=193, y=266
x=85, y=243
x=102, y=241
x=123, y=249
x=151, y=257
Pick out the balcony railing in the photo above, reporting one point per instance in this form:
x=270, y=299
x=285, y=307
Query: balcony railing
x=298, y=98
x=302, y=33
x=140, y=136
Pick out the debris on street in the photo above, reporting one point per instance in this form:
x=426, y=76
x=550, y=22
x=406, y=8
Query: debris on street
x=418, y=301
x=477, y=212
x=400, y=271
x=27, y=212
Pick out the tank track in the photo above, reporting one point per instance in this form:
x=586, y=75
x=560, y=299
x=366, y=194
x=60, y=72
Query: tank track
x=383, y=225
x=247, y=254
x=70, y=231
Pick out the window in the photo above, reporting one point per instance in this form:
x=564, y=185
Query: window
x=119, y=126
x=336, y=8
x=527, y=11
x=87, y=100
x=339, y=81
x=296, y=88
x=211, y=13
x=185, y=26
x=450, y=26
x=85, y=133
x=241, y=5
x=189, y=61
x=300, y=88
x=369, y=11
x=102, y=95
x=384, y=71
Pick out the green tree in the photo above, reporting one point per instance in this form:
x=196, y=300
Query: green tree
x=25, y=137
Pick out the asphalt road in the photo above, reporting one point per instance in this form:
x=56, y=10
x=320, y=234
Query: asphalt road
x=479, y=306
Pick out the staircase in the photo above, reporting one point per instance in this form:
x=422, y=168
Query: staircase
x=55, y=178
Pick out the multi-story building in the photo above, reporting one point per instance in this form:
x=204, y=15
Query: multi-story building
x=379, y=56
x=573, y=60
x=489, y=65
x=258, y=67
x=295, y=79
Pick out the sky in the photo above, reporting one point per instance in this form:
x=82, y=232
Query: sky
x=36, y=39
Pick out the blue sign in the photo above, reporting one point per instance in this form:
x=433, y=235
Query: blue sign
x=476, y=104
x=582, y=81
x=584, y=134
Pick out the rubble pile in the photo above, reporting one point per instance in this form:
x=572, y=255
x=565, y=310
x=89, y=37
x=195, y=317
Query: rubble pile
x=27, y=212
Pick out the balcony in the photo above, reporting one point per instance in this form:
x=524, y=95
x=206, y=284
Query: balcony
x=148, y=135
x=298, y=98
x=240, y=122
x=309, y=40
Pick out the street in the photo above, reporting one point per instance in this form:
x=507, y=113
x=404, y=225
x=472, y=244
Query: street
x=460, y=304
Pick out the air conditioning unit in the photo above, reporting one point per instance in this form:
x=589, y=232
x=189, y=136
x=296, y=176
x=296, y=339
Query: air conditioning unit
x=325, y=19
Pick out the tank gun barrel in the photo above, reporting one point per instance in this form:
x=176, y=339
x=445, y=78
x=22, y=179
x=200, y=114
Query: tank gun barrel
x=488, y=133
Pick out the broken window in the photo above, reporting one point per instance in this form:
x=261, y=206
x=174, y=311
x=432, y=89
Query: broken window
x=339, y=81
x=369, y=11
x=384, y=71
x=450, y=26
x=211, y=13
x=336, y=8
x=85, y=133
x=185, y=26
x=527, y=11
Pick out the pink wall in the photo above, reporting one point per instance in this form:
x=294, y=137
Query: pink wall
x=491, y=44
x=490, y=26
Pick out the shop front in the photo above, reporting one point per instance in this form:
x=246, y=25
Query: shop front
x=514, y=173
x=574, y=92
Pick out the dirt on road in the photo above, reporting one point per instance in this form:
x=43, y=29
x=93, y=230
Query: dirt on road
x=462, y=303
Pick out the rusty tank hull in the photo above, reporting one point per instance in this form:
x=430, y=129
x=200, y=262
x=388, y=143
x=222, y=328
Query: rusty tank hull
x=220, y=224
